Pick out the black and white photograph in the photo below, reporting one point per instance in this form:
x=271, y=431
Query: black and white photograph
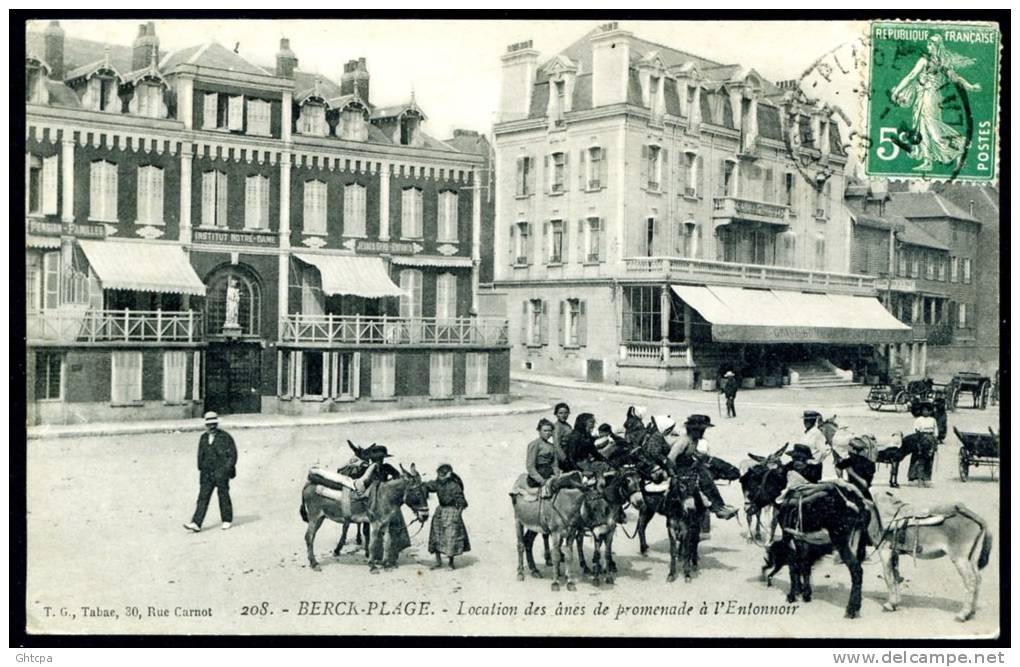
x=592, y=328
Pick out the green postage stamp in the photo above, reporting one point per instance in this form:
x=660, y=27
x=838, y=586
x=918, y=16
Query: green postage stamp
x=933, y=101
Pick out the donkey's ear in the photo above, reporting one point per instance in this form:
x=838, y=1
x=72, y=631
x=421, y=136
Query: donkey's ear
x=756, y=457
x=354, y=448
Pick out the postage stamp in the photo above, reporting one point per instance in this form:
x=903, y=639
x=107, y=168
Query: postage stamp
x=933, y=106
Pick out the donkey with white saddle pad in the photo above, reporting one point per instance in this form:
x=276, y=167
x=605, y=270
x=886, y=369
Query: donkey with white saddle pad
x=951, y=530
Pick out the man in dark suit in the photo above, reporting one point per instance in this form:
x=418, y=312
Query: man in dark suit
x=217, y=461
x=729, y=389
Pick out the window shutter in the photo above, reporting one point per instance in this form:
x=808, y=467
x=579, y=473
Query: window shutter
x=603, y=168
x=580, y=243
x=562, y=323
x=209, y=107
x=664, y=168
x=143, y=196
x=524, y=322
x=699, y=180
x=603, y=243
x=235, y=112
x=546, y=251
x=721, y=184
x=644, y=166
x=512, y=247
x=582, y=170
x=582, y=322
x=566, y=171
x=221, y=199
x=531, y=174
x=209, y=199
x=544, y=322
x=156, y=193
x=250, y=198
x=681, y=173
x=519, y=184
x=547, y=172
x=49, y=185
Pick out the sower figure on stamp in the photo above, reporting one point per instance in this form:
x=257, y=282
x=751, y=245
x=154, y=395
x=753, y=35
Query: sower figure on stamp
x=217, y=465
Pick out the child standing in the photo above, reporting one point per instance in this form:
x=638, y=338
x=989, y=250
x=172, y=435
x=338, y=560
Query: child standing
x=448, y=534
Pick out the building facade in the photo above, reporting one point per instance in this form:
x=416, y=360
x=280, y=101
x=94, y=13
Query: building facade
x=913, y=277
x=661, y=217
x=205, y=233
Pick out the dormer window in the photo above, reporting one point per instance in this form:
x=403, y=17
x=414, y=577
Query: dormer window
x=35, y=83
x=313, y=120
x=409, y=129
x=148, y=100
x=353, y=126
x=101, y=94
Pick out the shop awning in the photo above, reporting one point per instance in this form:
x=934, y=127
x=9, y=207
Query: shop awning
x=741, y=315
x=439, y=262
x=142, y=267
x=356, y=276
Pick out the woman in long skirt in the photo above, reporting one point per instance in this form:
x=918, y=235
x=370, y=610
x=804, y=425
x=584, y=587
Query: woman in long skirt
x=448, y=534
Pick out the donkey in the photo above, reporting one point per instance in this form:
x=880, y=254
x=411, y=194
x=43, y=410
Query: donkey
x=684, y=513
x=952, y=530
x=614, y=490
x=381, y=510
x=761, y=482
x=559, y=517
x=819, y=519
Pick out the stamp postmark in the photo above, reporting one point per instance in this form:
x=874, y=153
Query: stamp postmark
x=932, y=108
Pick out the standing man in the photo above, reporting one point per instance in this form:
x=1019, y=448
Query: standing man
x=729, y=389
x=217, y=463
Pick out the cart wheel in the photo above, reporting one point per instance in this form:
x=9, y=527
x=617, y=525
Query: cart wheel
x=986, y=389
x=875, y=405
x=902, y=404
x=953, y=399
x=964, y=467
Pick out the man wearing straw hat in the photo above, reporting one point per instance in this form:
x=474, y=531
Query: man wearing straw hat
x=217, y=465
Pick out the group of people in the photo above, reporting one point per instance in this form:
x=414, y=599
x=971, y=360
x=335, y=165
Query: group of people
x=448, y=537
x=562, y=448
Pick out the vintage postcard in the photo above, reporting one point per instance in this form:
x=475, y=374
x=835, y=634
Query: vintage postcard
x=415, y=327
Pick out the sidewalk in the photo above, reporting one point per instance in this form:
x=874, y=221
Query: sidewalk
x=778, y=397
x=257, y=421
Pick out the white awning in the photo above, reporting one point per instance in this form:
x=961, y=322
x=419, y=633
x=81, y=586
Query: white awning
x=741, y=315
x=349, y=274
x=431, y=261
x=142, y=267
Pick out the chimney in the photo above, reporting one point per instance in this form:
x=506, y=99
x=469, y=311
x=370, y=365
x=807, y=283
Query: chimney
x=145, y=48
x=519, y=64
x=53, y=40
x=972, y=208
x=610, y=65
x=286, y=61
x=355, y=79
x=464, y=133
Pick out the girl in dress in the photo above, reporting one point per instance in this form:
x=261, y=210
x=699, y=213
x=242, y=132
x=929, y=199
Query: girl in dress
x=448, y=534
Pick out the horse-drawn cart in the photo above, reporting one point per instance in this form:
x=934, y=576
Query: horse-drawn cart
x=976, y=450
x=881, y=395
x=977, y=385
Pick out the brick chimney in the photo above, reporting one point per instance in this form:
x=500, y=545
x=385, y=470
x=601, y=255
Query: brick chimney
x=518, y=80
x=286, y=61
x=53, y=41
x=355, y=79
x=610, y=65
x=145, y=47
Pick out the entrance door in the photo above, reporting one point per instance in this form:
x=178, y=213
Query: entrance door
x=233, y=374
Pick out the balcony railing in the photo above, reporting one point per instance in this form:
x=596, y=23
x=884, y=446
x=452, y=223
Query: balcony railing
x=655, y=354
x=78, y=325
x=362, y=330
x=738, y=274
x=726, y=209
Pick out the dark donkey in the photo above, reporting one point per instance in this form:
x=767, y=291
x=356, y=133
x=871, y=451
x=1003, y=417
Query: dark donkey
x=761, y=484
x=818, y=519
x=614, y=490
x=385, y=500
x=684, y=513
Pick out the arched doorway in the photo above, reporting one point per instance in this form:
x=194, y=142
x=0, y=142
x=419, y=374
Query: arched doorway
x=233, y=378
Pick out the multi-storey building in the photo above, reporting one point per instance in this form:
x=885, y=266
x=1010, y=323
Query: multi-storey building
x=982, y=204
x=912, y=269
x=958, y=231
x=206, y=233
x=661, y=217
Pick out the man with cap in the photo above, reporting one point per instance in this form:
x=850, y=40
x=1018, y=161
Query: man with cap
x=813, y=436
x=217, y=465
x=860, y=469
x=729, y=390
x=684, y=452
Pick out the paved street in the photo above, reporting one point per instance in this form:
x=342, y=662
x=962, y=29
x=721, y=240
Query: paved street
x=105, y=532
